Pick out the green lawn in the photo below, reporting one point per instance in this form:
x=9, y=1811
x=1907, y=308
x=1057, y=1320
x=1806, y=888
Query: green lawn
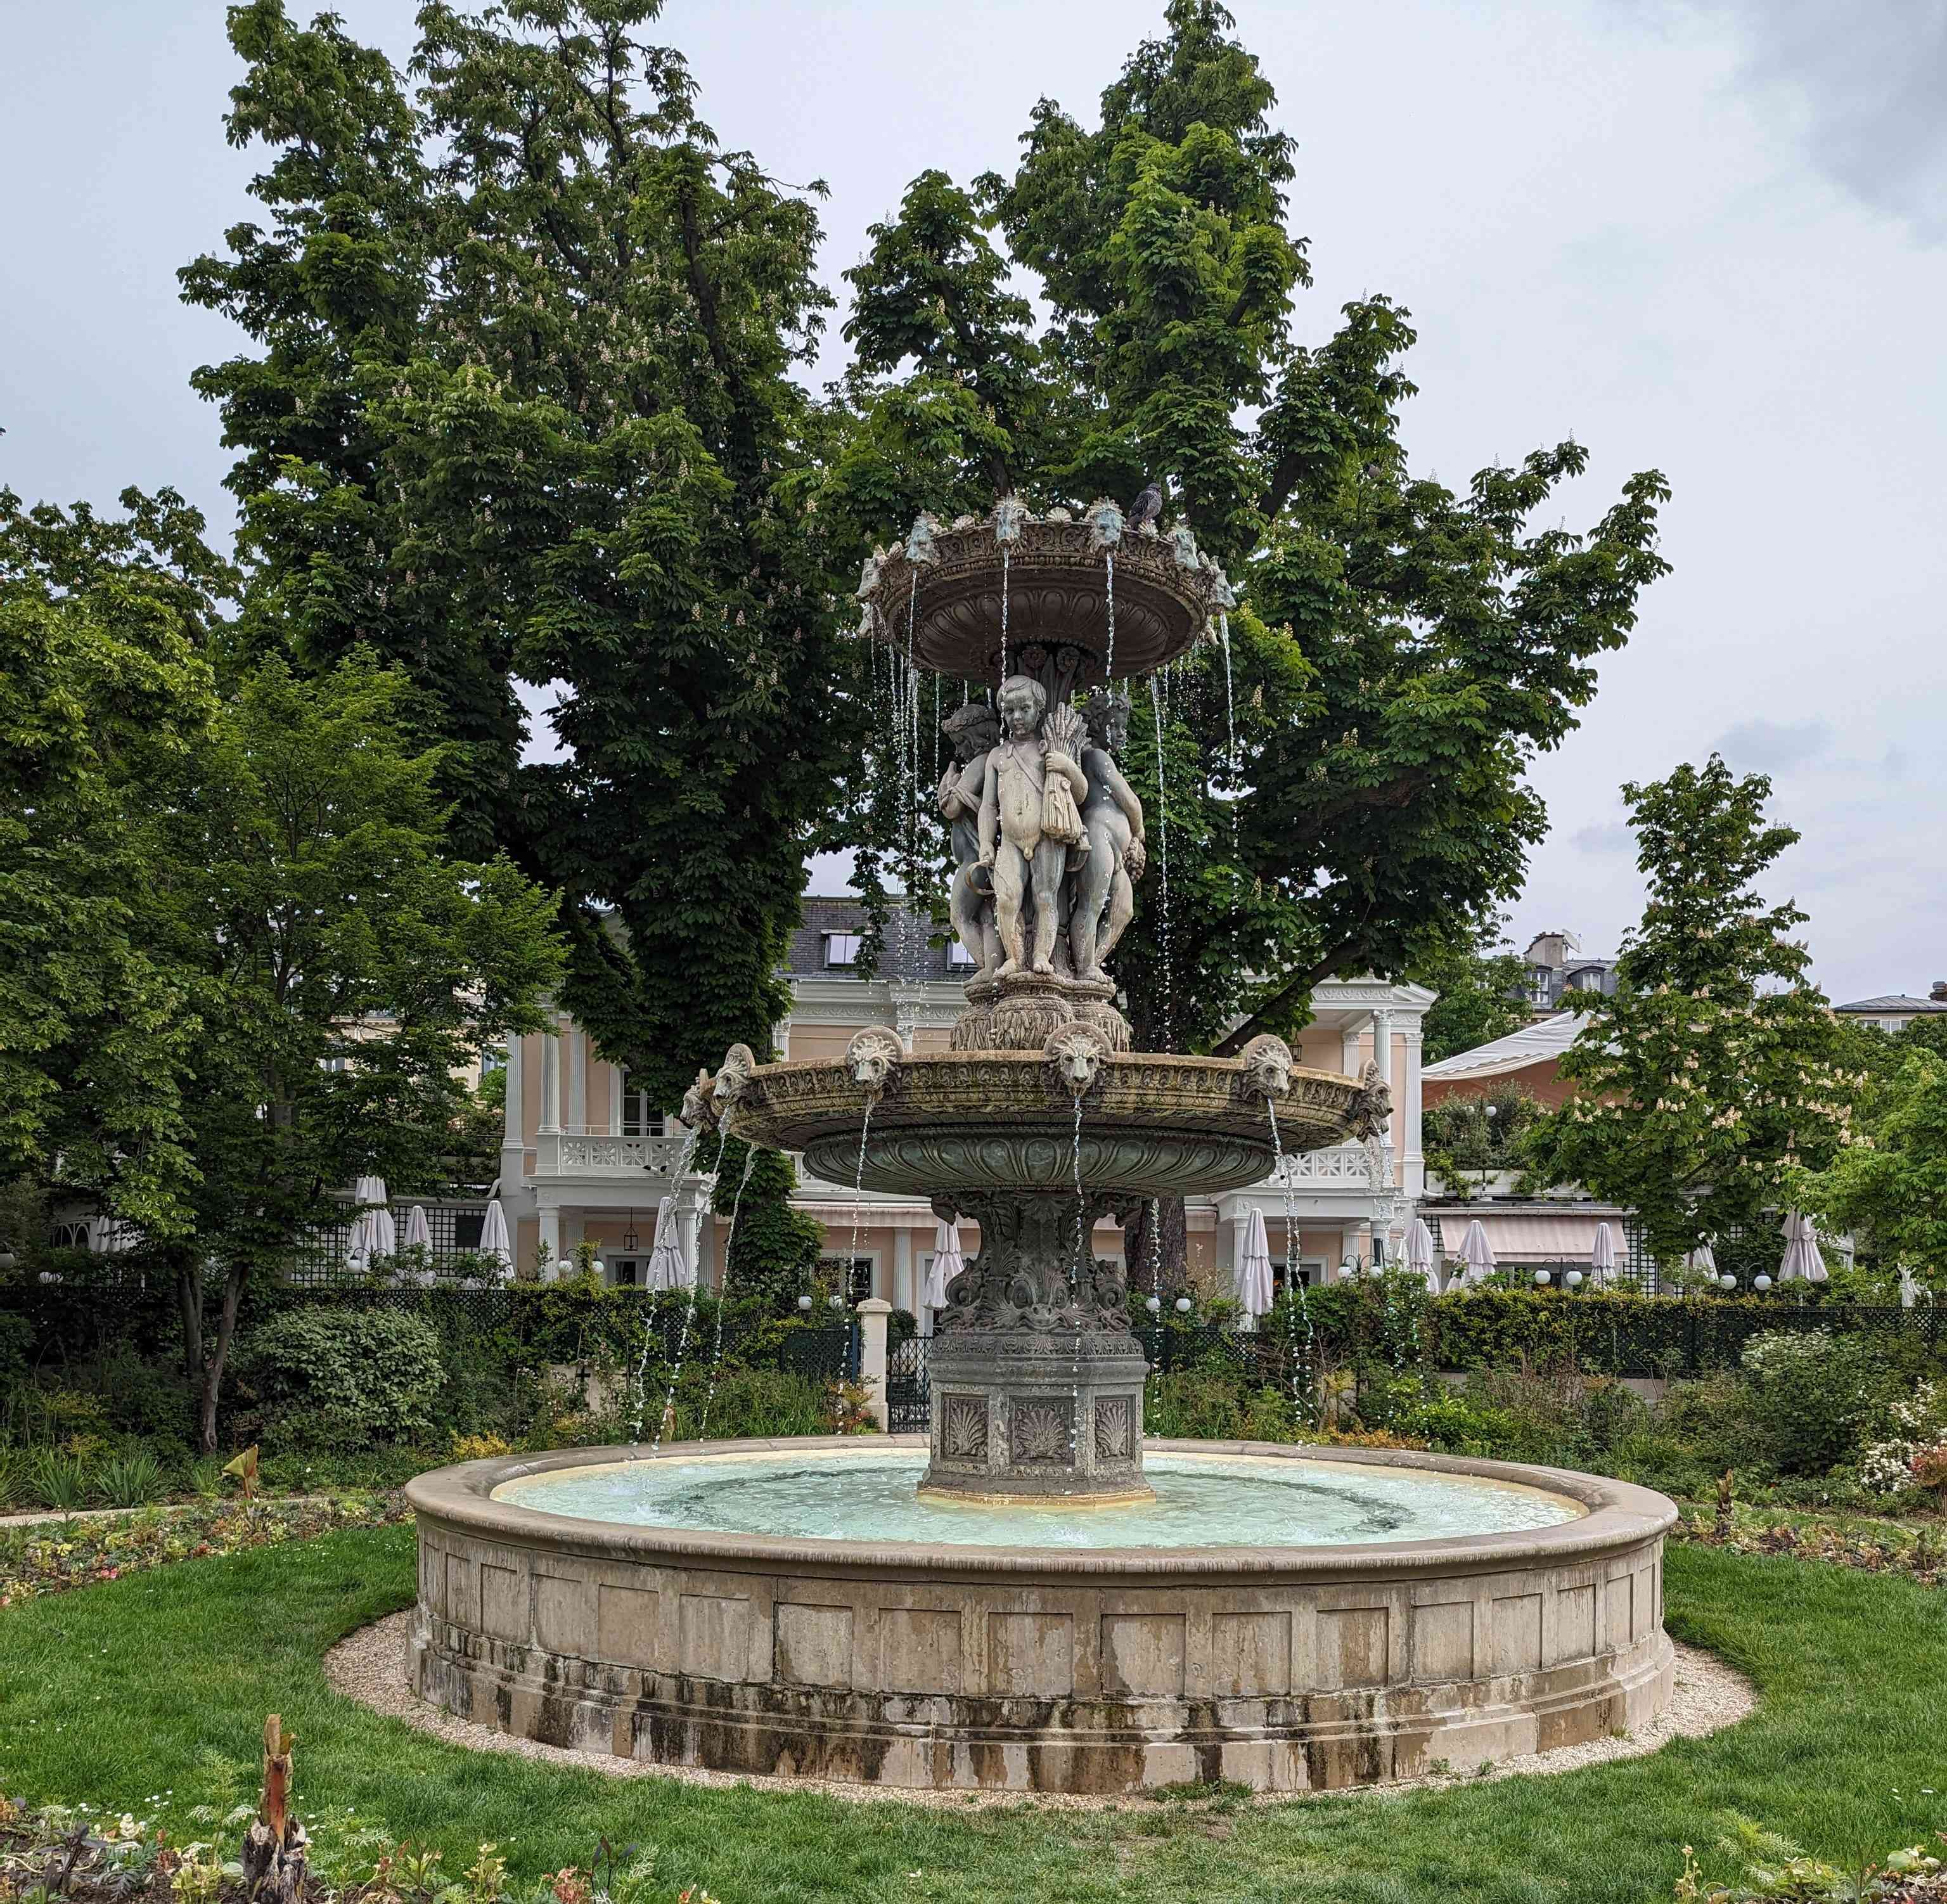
x=159, y=1682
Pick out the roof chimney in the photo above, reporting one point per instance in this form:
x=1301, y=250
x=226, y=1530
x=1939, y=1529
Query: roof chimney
x=1939, y=994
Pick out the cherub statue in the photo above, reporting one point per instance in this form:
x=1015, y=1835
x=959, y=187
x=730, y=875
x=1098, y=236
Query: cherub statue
x=1016, y=840
x=1111, y=818
x=973, y=730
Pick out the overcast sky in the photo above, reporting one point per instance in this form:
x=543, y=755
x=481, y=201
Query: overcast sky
x=1711, y=238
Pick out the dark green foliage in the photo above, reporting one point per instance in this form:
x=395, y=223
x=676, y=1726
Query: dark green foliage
x=1482, y=987
x=1466, y=1137
x=1812, y=1396
x=1404, y=651
x=348, y=1379
x=1717, y=1071
x=521, y=399
x=774, y=1250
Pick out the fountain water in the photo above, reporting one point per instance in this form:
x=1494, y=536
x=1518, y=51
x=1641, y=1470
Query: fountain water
x=948, y=1616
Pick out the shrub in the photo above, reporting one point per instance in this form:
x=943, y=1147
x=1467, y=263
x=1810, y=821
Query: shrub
x=58, y=1478
x=1813, y=1396
x=131, y=1480
x=355, y=1376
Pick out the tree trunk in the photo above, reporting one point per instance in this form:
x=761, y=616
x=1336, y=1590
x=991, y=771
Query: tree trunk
x=189, y=1304
x=233, y=1280
x=1167, y=1268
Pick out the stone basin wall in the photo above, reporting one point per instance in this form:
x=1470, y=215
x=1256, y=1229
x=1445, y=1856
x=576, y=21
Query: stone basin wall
x=1024, y=1670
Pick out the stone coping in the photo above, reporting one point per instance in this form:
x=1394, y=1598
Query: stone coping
x=1620, y=1515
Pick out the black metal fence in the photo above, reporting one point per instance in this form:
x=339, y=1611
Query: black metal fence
x=908, y=1388
x=321, y=1259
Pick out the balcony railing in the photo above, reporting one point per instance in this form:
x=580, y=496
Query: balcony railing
x=1338, y=1163
x=576, y=1156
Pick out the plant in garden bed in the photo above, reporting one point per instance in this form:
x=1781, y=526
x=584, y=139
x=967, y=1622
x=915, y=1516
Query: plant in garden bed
x=51, y=1558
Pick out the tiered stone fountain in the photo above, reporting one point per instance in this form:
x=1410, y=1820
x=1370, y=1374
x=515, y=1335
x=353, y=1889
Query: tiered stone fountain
x=1289, y=1617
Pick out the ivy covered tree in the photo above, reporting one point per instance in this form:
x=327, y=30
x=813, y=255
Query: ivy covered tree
x=1717, y=1070
x=1343, y=787
x=520, y=406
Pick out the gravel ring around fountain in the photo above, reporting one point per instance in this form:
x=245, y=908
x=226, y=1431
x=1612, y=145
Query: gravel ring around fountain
x=369, y=1666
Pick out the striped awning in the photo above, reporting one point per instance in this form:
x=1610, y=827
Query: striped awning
x=1529, y=1236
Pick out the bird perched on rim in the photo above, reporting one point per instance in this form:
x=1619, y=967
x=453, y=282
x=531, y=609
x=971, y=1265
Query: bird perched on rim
x=1147, y=508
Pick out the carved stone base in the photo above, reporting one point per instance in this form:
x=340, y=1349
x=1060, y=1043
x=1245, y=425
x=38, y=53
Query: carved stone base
x=1025, y=1417
x=1023, y=1011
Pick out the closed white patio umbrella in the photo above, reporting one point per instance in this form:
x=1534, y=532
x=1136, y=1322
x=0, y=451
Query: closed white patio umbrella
x=1703, y=1257
x=373, y=1231
x=1477, y=1253
x=1802, y=1262
x=1602, y=1256
x=1909, y=1290
x=419, y=1236
x=1251, y=1278
x=1420, y=1256
x=495, y=1240
x=665, y=1269
x=948, y=1262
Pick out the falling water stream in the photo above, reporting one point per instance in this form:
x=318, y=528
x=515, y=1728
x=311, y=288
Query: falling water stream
x=1300, y=1362
x=1109, y=668
x=1230, y=722
x=723, y=1286
x=1082, y=1242
x=1004, y=615
x=1162, y=870
x=649, y=1321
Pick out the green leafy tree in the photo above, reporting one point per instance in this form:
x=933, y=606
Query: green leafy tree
x=1482, y=985
x=1889, y=1187
x=349, y=970
x=774, y=1249
x=104, y=693
x=1404, y=651
x=521, y=402
x=1717, y=1067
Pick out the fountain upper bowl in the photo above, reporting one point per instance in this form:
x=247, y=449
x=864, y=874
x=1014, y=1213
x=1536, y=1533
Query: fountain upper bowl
x=1150, y=1124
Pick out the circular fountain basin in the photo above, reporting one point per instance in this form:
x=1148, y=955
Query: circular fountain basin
x=1294, y=1619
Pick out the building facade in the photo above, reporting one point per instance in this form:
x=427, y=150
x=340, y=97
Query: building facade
x=585, y=1157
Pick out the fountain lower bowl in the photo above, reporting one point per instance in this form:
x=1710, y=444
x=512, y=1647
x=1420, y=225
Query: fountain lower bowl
x=1150, y=1125
x=1032, y=1662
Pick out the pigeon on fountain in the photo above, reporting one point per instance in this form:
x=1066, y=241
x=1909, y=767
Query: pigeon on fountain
x=1147, y=508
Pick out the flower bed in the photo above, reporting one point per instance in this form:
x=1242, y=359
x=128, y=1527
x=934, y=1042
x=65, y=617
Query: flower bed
x=55, y=1556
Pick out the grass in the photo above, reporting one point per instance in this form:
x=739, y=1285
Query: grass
x=158, y=1684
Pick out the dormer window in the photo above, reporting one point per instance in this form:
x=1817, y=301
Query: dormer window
x=959, y=958
x=841, y=950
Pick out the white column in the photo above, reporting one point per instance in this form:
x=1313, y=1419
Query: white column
x=903, y=1294
x=615, y=1100
x=1382, y=1056
x=1349, y=1036
x=513, y=1141
x=1412, y=1162
x=689, y=1222
x=873, y=1315
x=551, y=1238
x=550, y=1124
x=1240, y=1229
x=575, y=1115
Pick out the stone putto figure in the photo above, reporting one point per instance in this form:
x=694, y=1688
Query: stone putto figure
x=1112, y=818
x=973, y=731
x=1016, y=841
